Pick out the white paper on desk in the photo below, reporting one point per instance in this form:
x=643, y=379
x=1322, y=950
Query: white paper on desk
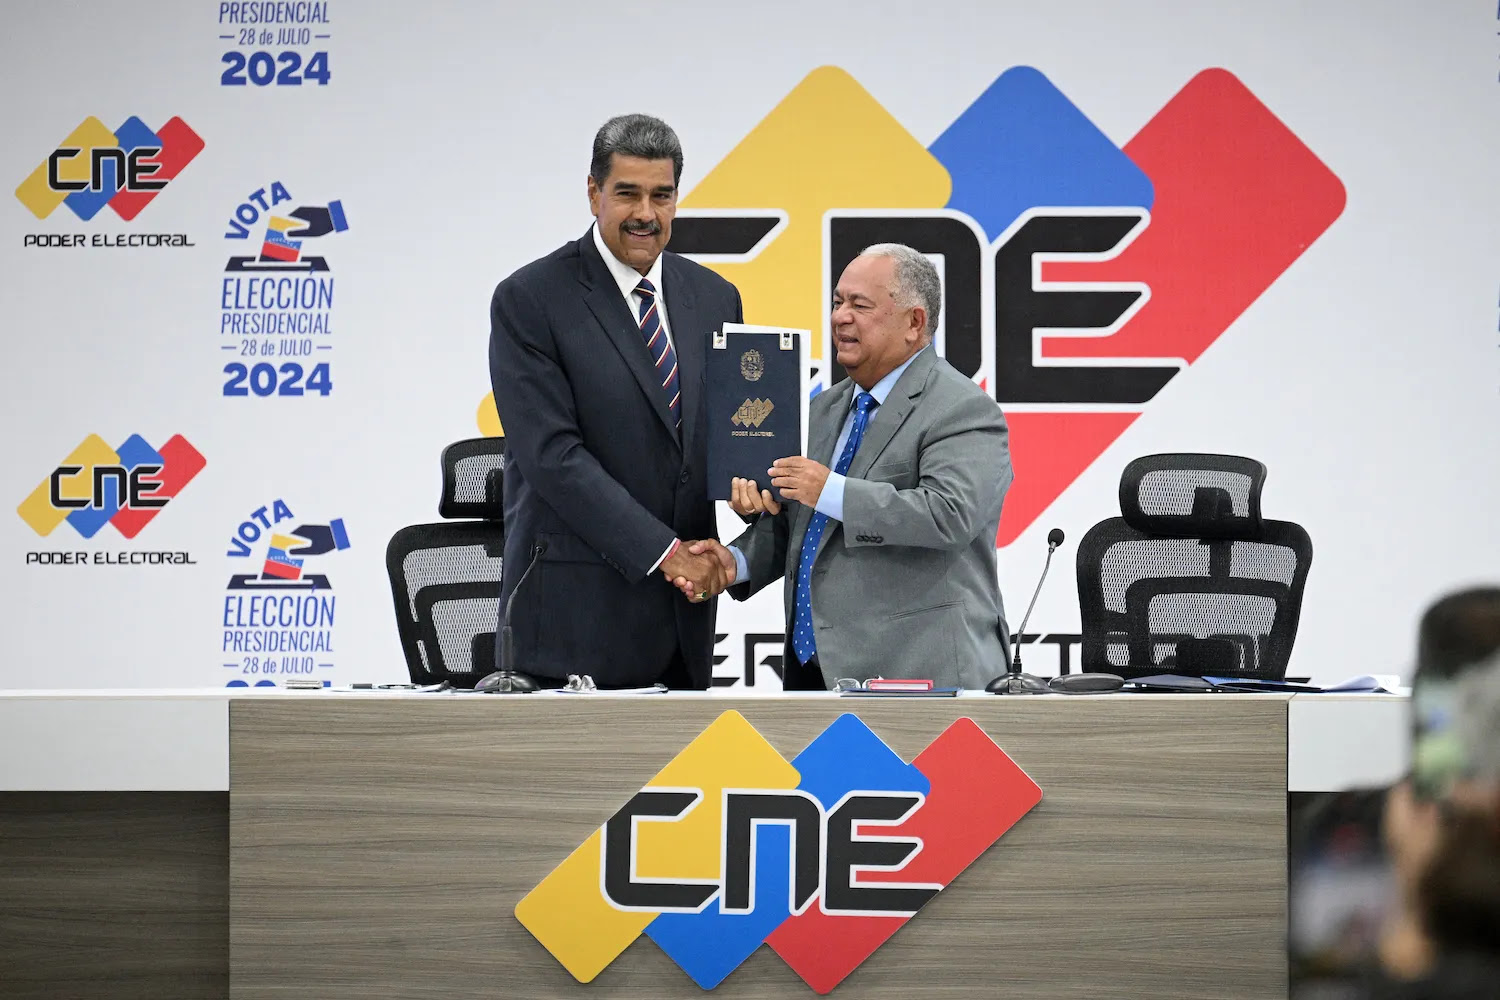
x=1374, y=683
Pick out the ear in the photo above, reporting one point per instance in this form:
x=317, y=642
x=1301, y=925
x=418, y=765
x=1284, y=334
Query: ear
x=595, y=194
x=918, y=328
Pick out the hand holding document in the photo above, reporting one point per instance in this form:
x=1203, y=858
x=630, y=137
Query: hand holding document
x=747, y=500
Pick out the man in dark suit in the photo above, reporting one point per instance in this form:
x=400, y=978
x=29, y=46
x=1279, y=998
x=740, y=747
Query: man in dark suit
x=596, y=358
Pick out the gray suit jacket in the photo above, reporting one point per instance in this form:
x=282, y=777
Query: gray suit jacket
x=906, y=585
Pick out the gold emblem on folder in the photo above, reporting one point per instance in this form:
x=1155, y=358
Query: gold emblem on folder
x=752, y=366
x=753, y=412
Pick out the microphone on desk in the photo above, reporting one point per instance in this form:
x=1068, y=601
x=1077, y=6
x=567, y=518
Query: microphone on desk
x=1015, y=682
x=506, y=680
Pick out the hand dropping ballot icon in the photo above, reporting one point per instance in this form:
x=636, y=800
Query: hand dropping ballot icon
x=285, y=556
x=281, y=249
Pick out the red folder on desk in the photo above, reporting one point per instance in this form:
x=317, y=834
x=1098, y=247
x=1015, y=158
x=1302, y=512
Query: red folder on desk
x=897, y=684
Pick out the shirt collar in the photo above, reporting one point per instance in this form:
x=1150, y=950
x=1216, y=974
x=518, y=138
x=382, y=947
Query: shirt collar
x=626, y=276
x=882, y=389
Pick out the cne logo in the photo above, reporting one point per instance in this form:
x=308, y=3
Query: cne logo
x=124, y=168
x=823, y=858
x=98, y=485
x=752, y=412
x=1079, y=276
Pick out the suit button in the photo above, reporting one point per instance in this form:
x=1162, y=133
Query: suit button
x=683, y=478
x=877, y=539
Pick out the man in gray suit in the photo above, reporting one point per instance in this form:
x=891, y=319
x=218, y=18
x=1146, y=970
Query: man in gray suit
x=889, y=556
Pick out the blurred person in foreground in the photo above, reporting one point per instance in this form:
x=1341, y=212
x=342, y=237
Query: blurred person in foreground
x=1442, y=824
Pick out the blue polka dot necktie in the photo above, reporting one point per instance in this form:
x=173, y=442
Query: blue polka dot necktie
x=804, y=644
x=660, y=347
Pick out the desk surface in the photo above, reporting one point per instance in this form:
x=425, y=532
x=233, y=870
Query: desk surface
x=142, y=739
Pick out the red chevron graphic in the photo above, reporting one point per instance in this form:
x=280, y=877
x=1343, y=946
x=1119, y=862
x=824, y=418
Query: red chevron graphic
x=1238, y=199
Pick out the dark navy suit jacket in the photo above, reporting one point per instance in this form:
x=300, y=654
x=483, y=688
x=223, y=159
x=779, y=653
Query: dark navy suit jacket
x=595, y=469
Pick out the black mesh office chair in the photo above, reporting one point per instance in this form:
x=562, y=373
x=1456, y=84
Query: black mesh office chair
x=445, y=577
x=1191, y=580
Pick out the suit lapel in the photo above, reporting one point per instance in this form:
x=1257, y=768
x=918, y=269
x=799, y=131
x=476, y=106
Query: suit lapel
x=884, y=423
x=689, y=335
x=890, y=415
x=824, y=433
x=603, y=298
x=826, y=416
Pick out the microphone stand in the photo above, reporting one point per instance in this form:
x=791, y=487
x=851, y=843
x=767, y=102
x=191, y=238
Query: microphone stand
x=1015, y=682
x=506, y=680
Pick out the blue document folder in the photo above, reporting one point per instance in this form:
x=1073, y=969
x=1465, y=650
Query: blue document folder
x=755, y=380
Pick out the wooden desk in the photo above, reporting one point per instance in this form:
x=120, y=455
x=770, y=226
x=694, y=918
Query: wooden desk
x=378, y=847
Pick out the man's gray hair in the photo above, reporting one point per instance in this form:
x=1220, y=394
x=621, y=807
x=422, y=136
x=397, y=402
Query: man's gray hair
x=635, y=135
x=917, y=282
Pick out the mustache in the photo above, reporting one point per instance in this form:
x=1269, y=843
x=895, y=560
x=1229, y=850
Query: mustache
x=647, y=228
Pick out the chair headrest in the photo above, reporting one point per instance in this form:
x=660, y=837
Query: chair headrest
x=473, y=479
x=1193, y=495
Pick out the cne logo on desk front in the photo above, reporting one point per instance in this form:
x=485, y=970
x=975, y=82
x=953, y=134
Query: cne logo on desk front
x=823, y=858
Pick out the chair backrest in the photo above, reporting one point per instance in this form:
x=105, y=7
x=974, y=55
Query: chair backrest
x=1191, y=579
x=445, y=576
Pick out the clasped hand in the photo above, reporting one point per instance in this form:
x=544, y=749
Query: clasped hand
x=704, y=569
x=701, y=570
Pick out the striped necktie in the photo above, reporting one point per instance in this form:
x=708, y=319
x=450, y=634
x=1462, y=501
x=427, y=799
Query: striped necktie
x=660, y=348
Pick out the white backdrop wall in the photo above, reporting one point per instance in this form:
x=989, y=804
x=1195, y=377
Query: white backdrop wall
x=454, y=138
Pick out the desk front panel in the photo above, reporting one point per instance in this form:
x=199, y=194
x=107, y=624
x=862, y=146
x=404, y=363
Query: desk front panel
x=378, y=848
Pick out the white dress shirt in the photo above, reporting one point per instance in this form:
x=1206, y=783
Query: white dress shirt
x=627, y=277
x=831, y=500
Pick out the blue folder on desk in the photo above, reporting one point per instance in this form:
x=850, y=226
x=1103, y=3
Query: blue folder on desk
x=1169, y=682
x=1262, y=684
x=1182, y=682
x=1363, y=684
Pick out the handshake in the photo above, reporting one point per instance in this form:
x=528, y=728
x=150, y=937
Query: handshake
x=701, y=570
x=704, y=569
